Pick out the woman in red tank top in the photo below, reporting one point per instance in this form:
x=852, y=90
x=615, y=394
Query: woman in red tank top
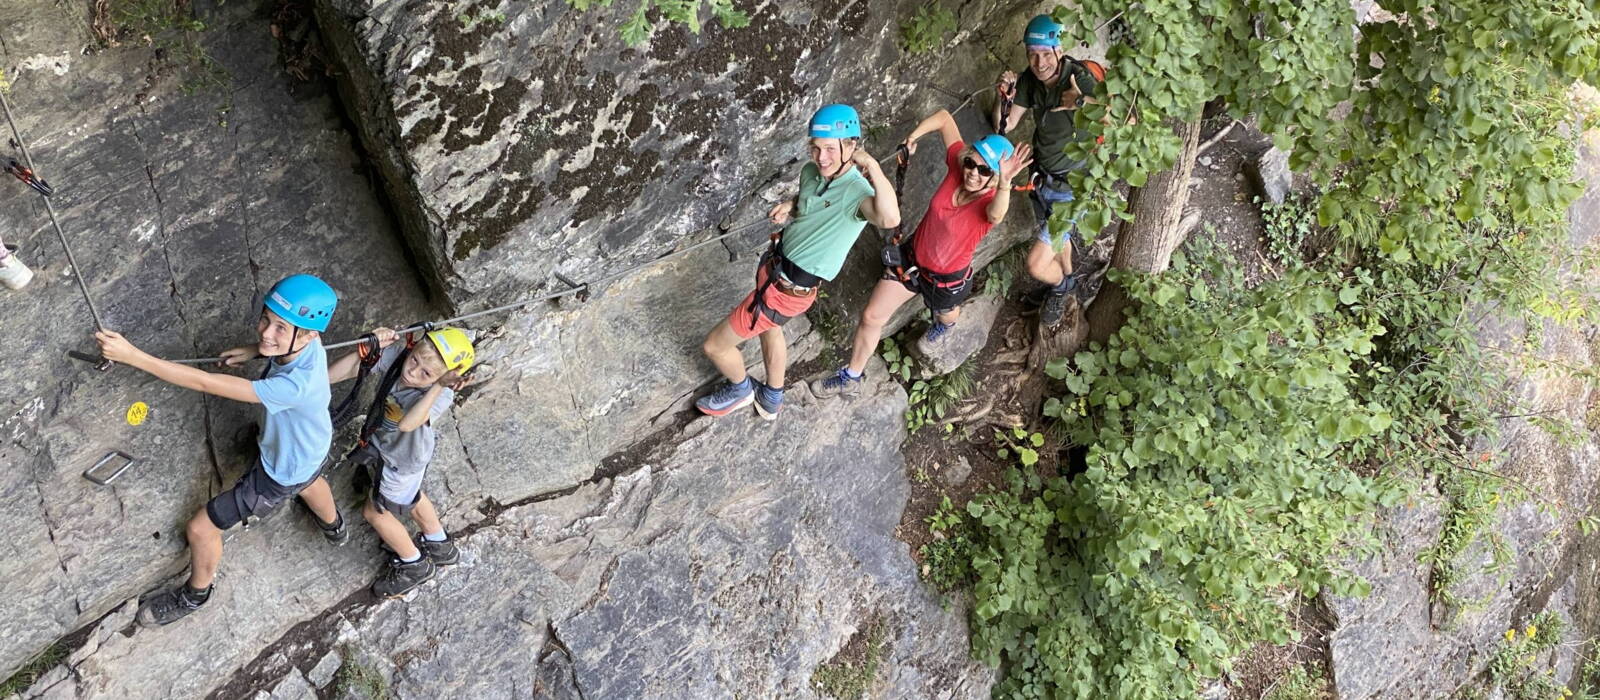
x=937, y=260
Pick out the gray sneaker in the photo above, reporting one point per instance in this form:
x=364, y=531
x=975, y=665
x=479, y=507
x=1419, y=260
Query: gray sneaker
x=442, y=553
x=839, y=384
x=398, y=578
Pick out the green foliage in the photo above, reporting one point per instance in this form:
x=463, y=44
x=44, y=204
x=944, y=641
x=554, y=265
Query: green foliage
x=1215, y=417
x=470, y=22
x=172, y=28
x=1001, y=274
x=1474, y=500
x=356, y=679
x=902, y=364
x=1436, y=104
x=639, y=25
x=930, y=399
x=1515, y=664
x=1019, y=443
x=947, y=560
x=927, y=29
x=849, y=679
x=1300, y=683
x=1288, y=225
x=37, y=666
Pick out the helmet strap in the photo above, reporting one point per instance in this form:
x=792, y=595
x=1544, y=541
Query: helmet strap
x=294, y=335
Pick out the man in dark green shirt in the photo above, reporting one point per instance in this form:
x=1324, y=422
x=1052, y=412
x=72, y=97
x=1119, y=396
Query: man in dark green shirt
x=1053, y=88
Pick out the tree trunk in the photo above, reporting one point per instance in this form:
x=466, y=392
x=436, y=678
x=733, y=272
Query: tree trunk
x=1145, y=244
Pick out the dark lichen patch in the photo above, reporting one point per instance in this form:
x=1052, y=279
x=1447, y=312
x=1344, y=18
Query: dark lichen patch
x=476, y=118
x=667, y=127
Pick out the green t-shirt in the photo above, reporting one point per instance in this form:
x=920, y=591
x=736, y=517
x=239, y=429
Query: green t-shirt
x=825, y=225
x=1052, y=131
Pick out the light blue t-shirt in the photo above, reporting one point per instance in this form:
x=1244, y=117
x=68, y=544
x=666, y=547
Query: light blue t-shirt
x=297, y=431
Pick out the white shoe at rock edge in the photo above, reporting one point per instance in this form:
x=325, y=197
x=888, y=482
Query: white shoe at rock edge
x=13, y=273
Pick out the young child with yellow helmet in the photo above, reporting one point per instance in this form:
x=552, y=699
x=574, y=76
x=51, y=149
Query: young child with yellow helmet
x=427, y=373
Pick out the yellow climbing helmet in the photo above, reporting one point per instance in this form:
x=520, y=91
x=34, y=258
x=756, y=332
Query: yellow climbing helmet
x=455, y=347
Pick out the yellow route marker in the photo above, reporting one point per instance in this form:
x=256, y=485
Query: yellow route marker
x=137, y=413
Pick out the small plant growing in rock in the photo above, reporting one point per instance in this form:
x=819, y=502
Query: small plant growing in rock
x=637, y=28
x=1300, y=683
x=30, y=672
x=850, y=673
x=927, y=29
x=356, y=679
x=901, y=364
x=1515, y=664
x=1474, y=499
x=172, y=29
x=930, y=399
x=469, y=22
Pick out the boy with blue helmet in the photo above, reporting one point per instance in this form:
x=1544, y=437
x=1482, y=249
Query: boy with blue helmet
x=1053, y=88
x=295, y=435
x=842, y=189
x=936, y=263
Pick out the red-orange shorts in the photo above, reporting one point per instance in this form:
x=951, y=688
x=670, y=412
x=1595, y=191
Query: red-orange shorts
x=775, y=308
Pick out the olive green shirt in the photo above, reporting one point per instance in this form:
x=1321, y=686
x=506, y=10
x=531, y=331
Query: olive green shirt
x=827, y=220
x=1052, y=131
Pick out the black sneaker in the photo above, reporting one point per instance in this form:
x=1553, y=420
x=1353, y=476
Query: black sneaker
x=338, y=533
x=442, y=553
x=168, y=606
x=399, y=577
x=1054, y=306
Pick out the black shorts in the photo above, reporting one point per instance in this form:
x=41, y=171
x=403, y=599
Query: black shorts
x=940, y=299
x=252, y=497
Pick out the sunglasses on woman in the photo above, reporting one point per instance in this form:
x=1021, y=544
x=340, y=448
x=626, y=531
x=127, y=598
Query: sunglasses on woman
x=969, y=164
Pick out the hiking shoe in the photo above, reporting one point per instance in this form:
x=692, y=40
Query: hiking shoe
x=338, y=533
x=768, y=401
x=442, y=553
x=399, y=577
x=731, y=397
x=168, y=606
x=1055, y=303
x=13, y=273
x=936, y=331
x=839, y=383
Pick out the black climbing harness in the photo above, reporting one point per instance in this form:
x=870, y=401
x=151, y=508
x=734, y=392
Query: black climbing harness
x=782, y=273
x=368, y=351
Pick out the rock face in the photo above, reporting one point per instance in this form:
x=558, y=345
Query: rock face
x=183, y=213
x=731, y=563
x=1398, y=642
x=180, y=222
x=616, y=154
x=965, y=339
x=1269, y=175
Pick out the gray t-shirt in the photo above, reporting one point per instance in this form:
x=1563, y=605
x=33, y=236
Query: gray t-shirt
x=405, y=455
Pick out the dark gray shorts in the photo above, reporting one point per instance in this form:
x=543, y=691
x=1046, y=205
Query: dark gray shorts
x=385, y=505
x=253, y=496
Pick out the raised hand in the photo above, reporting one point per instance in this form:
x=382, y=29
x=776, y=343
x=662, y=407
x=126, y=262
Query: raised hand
x=1018, y=161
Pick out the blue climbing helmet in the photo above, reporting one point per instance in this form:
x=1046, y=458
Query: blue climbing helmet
x=993, y=149
x=836, y=122
x=1043, y=31
x=304, y=301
